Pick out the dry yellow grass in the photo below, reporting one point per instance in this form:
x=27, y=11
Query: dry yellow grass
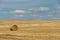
x=30, y=30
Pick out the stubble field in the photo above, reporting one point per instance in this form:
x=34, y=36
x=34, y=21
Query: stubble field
x=30, y=30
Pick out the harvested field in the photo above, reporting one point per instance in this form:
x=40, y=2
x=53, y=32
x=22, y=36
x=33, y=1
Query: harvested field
x=30, y=30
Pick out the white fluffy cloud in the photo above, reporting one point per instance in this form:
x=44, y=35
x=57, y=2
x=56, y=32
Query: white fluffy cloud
x=44, y=9
x=19, y=11
x=36, y=10
x=18, y=15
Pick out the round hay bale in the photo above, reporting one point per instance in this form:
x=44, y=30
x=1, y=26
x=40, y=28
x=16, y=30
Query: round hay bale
x=14, y=28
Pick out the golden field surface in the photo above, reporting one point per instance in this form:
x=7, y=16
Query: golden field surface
x=30, y=30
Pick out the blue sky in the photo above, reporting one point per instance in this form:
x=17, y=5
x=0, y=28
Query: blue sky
x=29, y=9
